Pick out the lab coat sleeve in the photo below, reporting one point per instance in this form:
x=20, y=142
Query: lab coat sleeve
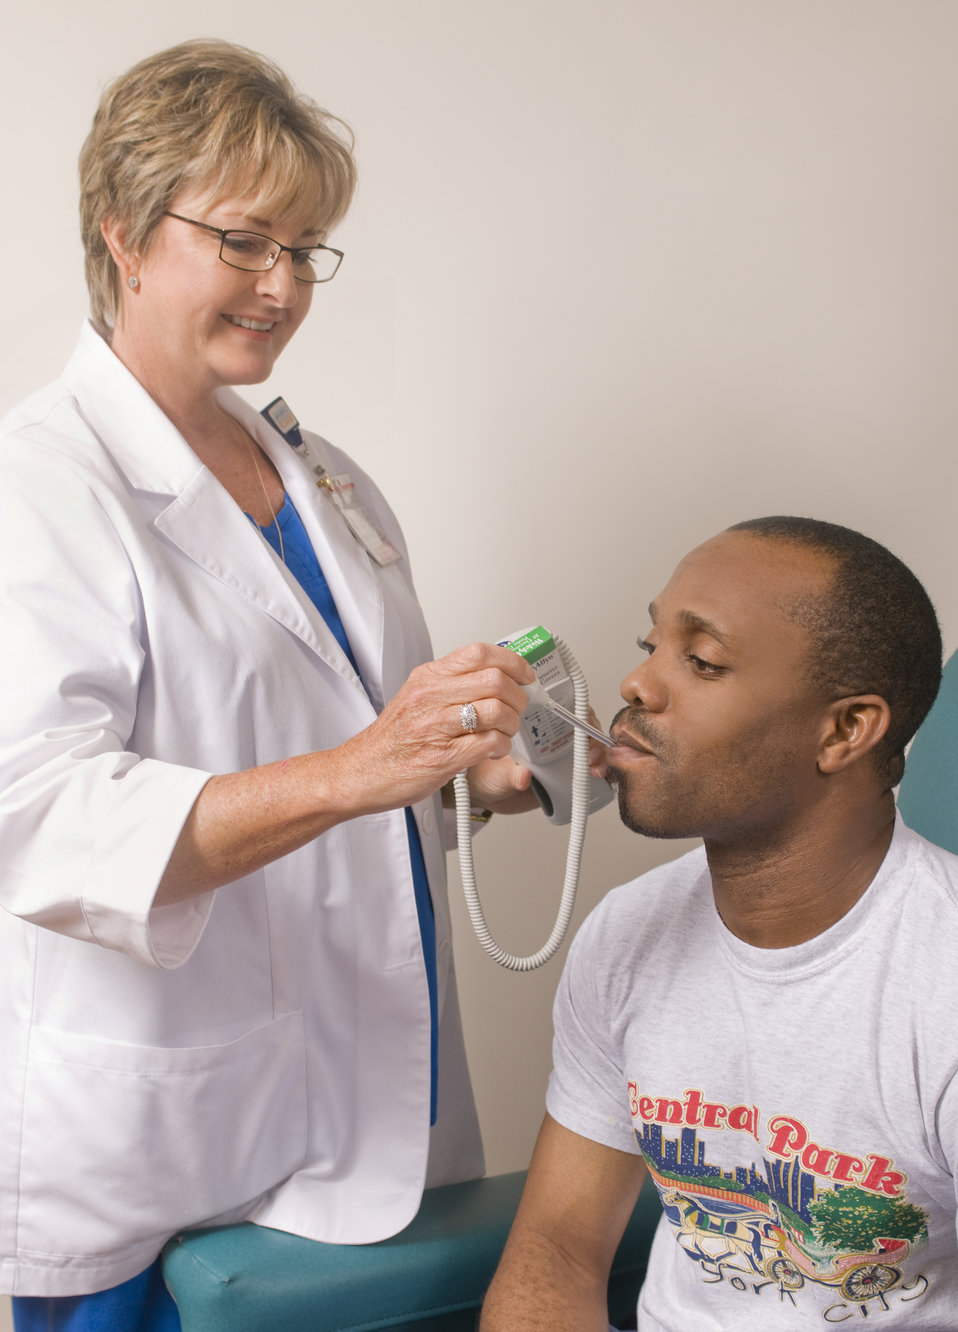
x=86, y=825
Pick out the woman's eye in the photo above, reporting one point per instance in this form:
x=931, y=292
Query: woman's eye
x=645, y=645
x=240, y=245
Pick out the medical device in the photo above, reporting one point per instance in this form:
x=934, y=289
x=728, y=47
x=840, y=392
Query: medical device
x=552, y=741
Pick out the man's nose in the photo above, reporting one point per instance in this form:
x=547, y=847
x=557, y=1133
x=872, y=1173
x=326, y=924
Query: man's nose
x=643, y=686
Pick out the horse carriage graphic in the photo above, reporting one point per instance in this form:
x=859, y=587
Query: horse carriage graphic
x=859, y=1276
x=716, y=1227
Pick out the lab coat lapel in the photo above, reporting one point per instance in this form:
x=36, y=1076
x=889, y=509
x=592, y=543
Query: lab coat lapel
x=346, y=565
x=201, y=518
x=212, y=531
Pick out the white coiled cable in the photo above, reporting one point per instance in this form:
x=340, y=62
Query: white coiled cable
x=581, y=796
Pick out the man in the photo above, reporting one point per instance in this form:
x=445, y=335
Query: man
x=769, y=1025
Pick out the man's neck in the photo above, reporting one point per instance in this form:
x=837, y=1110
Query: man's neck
x=782, y=895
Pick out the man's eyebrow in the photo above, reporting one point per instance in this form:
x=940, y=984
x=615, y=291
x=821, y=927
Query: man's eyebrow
x=699, y=623
x=691, y=620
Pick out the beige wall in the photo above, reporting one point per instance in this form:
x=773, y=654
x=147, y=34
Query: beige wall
x=620, y=272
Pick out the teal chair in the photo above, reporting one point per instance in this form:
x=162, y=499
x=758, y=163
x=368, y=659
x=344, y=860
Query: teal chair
x=928, y=795
x=431, y=1277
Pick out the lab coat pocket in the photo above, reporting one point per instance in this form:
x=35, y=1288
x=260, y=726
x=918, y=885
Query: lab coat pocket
x=125, y=1144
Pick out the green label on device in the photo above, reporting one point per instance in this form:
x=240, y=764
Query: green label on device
x=533, y=645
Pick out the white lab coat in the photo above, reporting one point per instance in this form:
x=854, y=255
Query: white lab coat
x=261, y=1052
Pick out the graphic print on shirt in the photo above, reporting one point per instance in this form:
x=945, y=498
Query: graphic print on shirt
x=798, y=1214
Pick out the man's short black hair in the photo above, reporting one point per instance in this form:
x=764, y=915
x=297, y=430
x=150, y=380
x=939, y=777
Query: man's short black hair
x=873, y=632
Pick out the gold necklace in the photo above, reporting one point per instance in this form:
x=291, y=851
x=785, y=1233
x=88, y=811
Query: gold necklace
x=262, y=485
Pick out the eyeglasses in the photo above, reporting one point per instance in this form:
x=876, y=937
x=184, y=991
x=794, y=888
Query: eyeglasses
x=254, y=253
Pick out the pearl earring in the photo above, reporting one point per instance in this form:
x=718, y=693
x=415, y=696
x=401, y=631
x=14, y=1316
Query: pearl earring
x=134, y=281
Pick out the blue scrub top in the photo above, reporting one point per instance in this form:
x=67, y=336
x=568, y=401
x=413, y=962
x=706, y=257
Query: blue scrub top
x=297, y=553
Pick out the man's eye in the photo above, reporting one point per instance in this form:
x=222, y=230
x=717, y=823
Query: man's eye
x=705, y=667
x=645, y=645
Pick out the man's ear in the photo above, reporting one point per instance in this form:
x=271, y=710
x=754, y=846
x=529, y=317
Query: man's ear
x=854, y=727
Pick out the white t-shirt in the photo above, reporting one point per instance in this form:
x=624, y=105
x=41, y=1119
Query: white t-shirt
x=797, y=1107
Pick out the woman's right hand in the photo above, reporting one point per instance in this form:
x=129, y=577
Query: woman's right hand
x=418, y=742
x=244, y=820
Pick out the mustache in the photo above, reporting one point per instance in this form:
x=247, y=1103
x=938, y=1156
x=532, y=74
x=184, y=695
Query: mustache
x=634, y=722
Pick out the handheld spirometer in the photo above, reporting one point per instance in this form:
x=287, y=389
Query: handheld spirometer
x=552, y=741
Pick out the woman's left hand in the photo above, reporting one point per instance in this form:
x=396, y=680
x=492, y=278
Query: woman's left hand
x=502, y=786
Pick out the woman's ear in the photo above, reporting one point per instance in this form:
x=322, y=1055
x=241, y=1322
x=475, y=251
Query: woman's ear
x=855, y=726
x=114, y=233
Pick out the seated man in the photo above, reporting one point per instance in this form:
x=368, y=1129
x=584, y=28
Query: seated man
x=769, y=1025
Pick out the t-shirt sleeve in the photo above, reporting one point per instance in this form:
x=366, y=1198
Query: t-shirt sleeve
x=588, y=1091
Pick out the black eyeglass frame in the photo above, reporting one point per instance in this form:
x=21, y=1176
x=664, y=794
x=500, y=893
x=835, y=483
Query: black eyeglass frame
x=291, y=250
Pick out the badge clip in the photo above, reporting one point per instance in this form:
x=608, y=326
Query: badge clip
x=341, y=487
x=280, y=416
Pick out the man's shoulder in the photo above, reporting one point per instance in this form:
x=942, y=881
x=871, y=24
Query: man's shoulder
x=637, y=906
x=919, y=858
x=924, y=878
x=685, y=871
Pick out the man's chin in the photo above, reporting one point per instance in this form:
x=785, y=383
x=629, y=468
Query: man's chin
x=642, y=821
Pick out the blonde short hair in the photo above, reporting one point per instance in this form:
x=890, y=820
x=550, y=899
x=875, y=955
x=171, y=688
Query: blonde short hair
x=211, y=116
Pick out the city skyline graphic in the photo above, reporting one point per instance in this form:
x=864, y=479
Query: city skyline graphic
x=761, y=1226
x=683, y=1160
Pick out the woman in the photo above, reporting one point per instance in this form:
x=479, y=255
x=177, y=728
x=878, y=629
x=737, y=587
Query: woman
x=227, y=982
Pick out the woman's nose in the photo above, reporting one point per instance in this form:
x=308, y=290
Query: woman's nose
x=278, y=281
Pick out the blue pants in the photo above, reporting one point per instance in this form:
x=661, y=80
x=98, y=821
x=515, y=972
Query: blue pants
x=142, y=1304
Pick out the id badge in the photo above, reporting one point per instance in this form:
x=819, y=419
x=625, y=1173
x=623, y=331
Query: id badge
x=341, y=487
x=343, y=491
